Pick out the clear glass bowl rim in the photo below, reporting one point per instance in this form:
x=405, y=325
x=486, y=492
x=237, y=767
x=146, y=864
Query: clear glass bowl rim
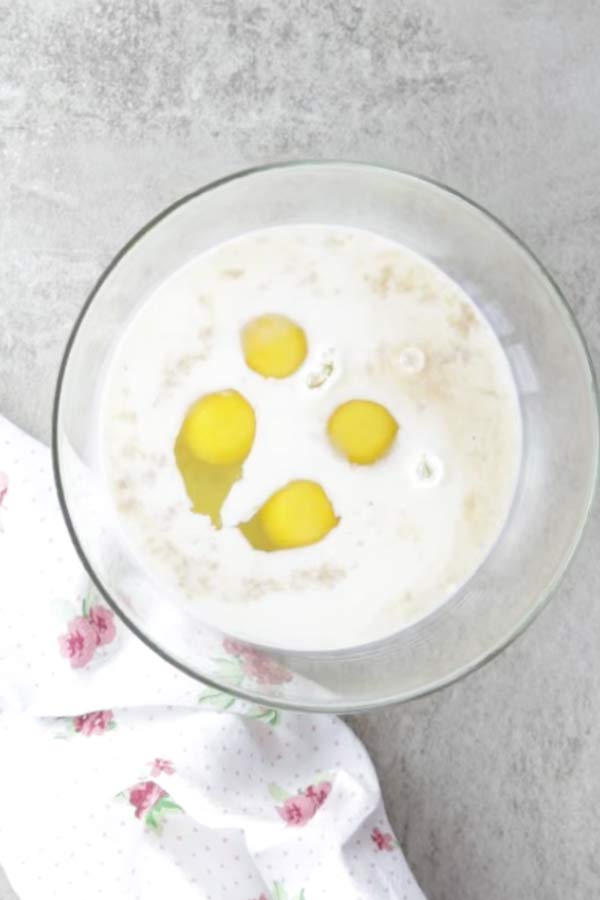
x=461, y=672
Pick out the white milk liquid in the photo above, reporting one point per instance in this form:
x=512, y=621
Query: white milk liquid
x=382, y=324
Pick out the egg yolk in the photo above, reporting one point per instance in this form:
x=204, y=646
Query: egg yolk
x=219, y=428
x=214, y=440
x=361, y=430
x=274, y=346
x=294, y=516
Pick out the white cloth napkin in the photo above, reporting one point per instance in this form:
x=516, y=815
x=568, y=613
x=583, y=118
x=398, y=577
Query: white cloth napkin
x=120, y=777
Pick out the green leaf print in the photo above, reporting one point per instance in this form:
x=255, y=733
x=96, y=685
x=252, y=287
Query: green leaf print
x=278, y=794
x=280, y=892
x=229, y=670
x=264, y=714
x=86, y=605
x=151, y=821
x=165, y=803
x=217, y=699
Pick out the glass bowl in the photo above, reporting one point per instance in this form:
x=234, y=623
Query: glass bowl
x=560, y=435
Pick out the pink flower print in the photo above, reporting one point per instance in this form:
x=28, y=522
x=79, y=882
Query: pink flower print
x=79, y=644
x=144, y=796
x=152, y=804
x=297, y=810
x=383, y=841
x=103, y=622
x=235, y=648
x=3, y=486
x=257, y=665
x=262, y=669
x=162, y=765
x=319, y=793
x=94, y=722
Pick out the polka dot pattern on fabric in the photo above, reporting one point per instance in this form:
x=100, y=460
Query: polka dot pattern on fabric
x=127, y=784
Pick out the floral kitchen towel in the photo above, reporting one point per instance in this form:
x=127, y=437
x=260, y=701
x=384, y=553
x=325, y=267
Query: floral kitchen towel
x=121, y=777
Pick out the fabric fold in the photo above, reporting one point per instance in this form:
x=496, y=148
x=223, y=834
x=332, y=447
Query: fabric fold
x=124, y=778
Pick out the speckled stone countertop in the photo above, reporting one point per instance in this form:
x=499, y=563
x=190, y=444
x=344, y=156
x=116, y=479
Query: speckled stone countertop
x=110, y=110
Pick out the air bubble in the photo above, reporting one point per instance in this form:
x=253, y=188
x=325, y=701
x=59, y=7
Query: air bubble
x=429, y=470
x=324, y=370
x=408, y=360
x=412, y=360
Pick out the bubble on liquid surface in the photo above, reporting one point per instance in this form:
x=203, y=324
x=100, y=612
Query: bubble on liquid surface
x=428, y=470
x=326, y=367
x=411, y=360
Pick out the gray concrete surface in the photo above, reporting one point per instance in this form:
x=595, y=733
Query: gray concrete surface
x=109, y=110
